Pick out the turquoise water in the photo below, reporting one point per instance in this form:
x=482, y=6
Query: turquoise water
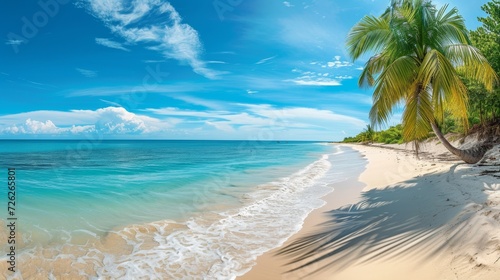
x=78, y=194
x=83, y=185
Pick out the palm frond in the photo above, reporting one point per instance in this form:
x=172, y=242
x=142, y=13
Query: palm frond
x=374, y=66
x=370, y=34
x=418, y=114
x=449, y=93
x=450, y=28
x=392, y=87
x=472, y=64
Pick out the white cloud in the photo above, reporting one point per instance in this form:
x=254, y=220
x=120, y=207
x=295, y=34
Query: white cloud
x=222, y=126
x=154, y=61
x=110, y=44
x=328, y=75
x=265, y=60
x=304, y=114
x=224, y=121
x=79, y=129
x=315, y=81
x=14, y=42
x=112, y=103
x=110, y=120
x=117, y=120
x=338, y=64
x=33, y=127
x=235, y=121
x=168, y=35
x=252, y=91
x=343, y=77
x=263, y=116
x=310, y=78
x=216, y=62
x=43, y=128
x=87, y=73
x=74, y=117
x=287, y=4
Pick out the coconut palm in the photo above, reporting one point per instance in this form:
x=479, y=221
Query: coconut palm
x=419, y=51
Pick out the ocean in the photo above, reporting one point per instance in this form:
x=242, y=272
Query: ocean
x=89, y=209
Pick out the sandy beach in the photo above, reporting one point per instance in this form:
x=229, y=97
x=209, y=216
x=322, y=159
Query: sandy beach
x=403, y=218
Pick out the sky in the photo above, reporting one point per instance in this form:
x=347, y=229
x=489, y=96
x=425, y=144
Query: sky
x=205, y=69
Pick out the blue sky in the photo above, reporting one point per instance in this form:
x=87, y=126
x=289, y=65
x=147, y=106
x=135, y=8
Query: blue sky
x=215, y=69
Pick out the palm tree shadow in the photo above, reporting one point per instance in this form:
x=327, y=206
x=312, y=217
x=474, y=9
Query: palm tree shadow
x=386, y=223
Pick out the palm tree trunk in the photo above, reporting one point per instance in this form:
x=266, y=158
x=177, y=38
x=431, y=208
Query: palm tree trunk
x=472, y=155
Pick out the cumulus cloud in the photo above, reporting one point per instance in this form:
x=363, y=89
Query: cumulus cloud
x=157, y=24
x=79, y=129
x=45, y=127
x=117, y=120
x=110, y=120
x=34, y=127
x=110, y=44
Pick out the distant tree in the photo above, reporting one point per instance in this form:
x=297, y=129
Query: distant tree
x=392, y=135
x=419, y=50
x=368, y=134
x=487, y=37
x=484, y=105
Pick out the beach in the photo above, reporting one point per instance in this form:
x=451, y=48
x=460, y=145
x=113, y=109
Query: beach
x=403, y=217
x=326, y=211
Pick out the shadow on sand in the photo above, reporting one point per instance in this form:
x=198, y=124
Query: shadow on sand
x=406, y=217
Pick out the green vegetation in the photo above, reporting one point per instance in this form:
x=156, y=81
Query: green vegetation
x=421, y=56
x=485, y=106
x=392, y=135
x=367, y=135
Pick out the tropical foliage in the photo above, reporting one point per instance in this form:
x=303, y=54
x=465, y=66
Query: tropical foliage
x=392, y=135
x=421, y=55
x=485, y=106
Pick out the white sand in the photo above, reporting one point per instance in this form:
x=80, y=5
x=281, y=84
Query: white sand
x=416, y=219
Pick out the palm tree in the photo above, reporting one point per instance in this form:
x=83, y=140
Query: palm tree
x=369, y=133
x=419, y=52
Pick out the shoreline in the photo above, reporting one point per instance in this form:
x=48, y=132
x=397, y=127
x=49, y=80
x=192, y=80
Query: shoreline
x=430, y=208
x=225, y=240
